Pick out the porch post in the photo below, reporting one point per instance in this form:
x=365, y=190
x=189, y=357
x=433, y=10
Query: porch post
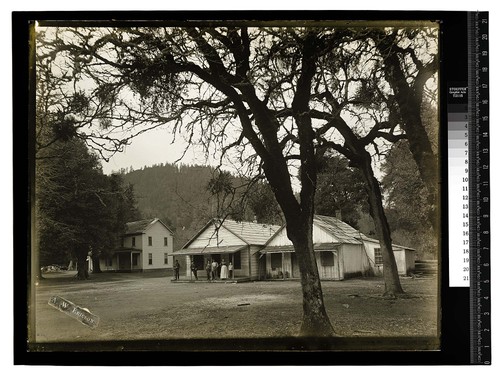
x=232, y=262
x=249, y=263
x=283, y=264
x=131, y=261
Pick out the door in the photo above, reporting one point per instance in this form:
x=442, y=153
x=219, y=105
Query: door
x=124, y=261
x=262, y=267
x=328, y=265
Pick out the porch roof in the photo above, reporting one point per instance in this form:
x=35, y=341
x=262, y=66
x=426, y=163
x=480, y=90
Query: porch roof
x=128, y=250
x=290, y=248
x=209, y=250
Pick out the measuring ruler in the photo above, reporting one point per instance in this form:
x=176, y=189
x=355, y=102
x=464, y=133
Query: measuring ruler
x=479, y=215
x=468, y=177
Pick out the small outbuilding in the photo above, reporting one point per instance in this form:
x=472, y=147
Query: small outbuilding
x=235, y=242
x=341, y=252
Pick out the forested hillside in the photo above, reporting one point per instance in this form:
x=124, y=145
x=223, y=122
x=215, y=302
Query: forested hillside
x=175, y=194
x=180, y=196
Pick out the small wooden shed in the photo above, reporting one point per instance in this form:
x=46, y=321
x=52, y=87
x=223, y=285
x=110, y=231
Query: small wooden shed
x=238, y=242
x=341, y=252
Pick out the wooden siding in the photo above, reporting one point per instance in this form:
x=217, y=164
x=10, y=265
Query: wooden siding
x=290, y=269
x=158, y=232
x=405, y=260
x=127, y=241
x=355, y=259
x=319, y=236
x=254, y=261
x=104, y=267
x=328, y=272
x=369, y=247
x=210, y=238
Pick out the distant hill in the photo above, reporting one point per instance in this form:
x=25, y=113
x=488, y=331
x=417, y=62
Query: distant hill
x=176, y=194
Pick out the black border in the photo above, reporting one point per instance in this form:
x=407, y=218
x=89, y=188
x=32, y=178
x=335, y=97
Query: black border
x=455, y=345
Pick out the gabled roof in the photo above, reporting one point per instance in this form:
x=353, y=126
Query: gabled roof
x=249, y=232
x=343, y=231
x=139, y=227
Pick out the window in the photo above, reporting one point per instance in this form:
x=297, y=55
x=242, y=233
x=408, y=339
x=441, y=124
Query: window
x=237, y=260
x=378, y=256
x=135, y=259
x=150, y=259
x=165, y=241
x=326, y=258
x=109, y=262
x=150, y=241
x=275, y=260
x=165, y=258
x=133, y=241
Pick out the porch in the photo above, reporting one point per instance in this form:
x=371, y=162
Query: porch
x=236, y=256
x=280, y=262
x=128, y=260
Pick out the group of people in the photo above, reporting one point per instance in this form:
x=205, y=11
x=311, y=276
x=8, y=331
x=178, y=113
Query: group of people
x=219, y=271
x=214, y=270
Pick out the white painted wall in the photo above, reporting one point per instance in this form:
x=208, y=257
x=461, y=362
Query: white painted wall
x=158, y=232
x=319, y=236
x=209, y=238
x=355, y=259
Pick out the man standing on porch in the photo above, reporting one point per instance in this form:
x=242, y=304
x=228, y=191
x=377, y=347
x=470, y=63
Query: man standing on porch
x=215, y=265
x=208, y=268
x=194, y=269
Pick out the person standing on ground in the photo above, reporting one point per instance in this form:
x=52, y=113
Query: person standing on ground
x=208, y=268
x=194, y=270
x=223, y=270
x=214, y=269
x=177, y=268
x=230, y=269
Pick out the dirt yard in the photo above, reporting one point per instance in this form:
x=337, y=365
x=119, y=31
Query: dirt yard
x=150, y=306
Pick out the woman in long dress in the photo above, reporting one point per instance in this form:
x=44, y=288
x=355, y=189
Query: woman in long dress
x=223, y=271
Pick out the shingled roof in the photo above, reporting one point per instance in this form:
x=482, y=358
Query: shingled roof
x=343, y=231
x=140, y=226
x=251, y=233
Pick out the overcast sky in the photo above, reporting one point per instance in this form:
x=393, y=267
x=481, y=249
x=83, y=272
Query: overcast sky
x=155, y=147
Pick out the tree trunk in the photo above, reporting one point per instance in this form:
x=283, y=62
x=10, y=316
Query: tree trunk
x=81, y=256
x=315, y=322
x=409, y=99
x=391, y=277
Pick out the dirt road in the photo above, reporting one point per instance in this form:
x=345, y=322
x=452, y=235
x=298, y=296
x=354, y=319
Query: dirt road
x=145, y=307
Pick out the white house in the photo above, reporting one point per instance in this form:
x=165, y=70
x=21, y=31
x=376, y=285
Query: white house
x=341, y=252
x=238, y=242
x=146, y=245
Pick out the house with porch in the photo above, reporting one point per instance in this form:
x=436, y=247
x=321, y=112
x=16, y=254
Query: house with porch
x=238, y=242
x=146, y=245
x=341, y=252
